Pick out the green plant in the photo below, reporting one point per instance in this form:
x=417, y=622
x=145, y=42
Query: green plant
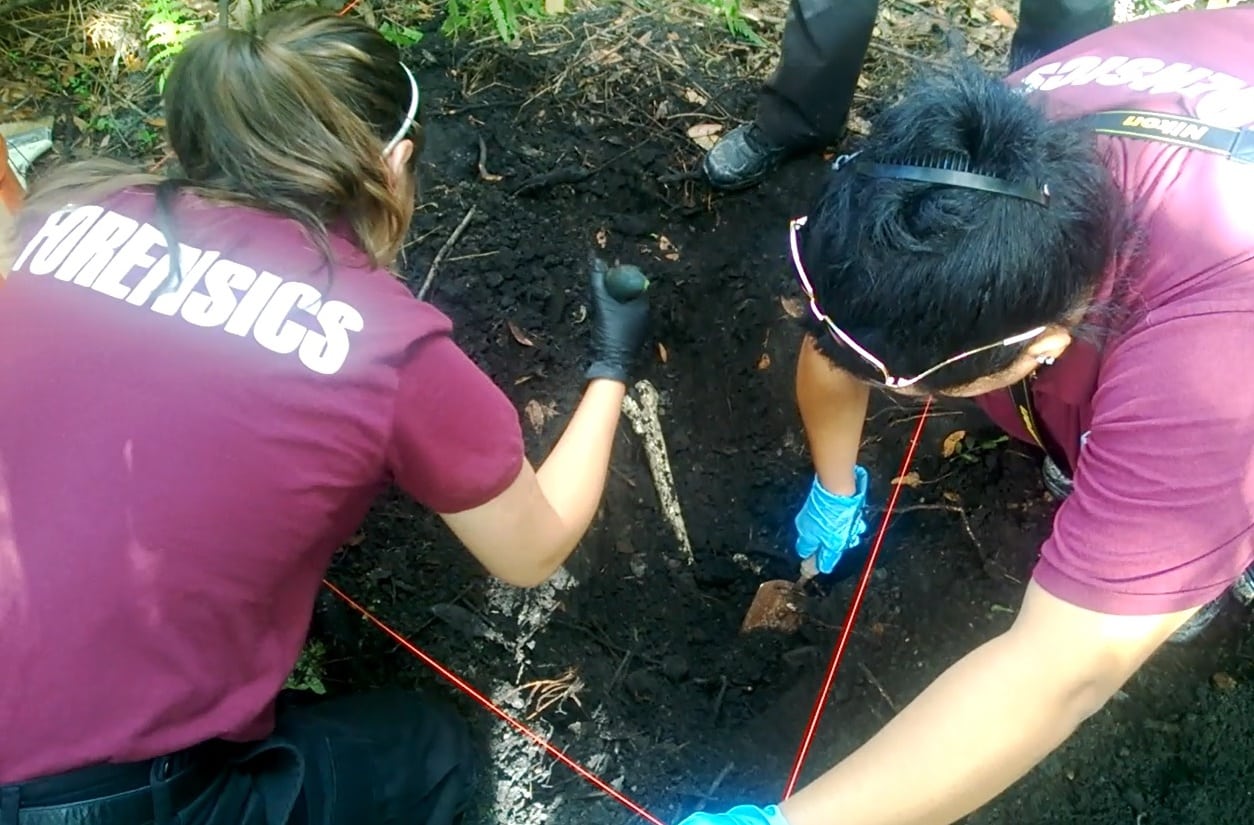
x=307, y=675
x=170, y=24
x=969, y=450
x=735, y=20
x=400, y=36
x=474, y=15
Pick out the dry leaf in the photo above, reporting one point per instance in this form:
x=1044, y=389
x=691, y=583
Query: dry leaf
x=602, y=238
x=793, y=307
x=662, y=353
x=705, y=135
x=910, y=479
x=664, y=244
x=952, y=442
x=694, y=97
x=951, y=496
x=1002, y=17
x=538, y=414
x=534, y=411
x=764, y=362
x=671, y=256
x=519, y=335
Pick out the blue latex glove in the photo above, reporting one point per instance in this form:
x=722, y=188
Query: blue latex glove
x=829, y=525
x=740, y=815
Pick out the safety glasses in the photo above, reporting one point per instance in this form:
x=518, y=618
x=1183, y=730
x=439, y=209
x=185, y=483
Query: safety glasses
x=843, y=337
x=410, y=117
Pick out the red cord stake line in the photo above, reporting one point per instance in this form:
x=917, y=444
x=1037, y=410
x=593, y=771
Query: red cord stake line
x=851, y=616
x=487, y=703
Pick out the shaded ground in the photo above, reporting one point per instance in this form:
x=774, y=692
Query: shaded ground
x=632, y=661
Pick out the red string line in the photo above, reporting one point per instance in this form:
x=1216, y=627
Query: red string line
x=504, y=716
x=348, y=7
x=846, y=631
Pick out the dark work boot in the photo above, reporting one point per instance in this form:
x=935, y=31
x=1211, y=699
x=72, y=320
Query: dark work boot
x=1242, y=591
x=742, y=158
x=1056, y=479
x=1198, y=622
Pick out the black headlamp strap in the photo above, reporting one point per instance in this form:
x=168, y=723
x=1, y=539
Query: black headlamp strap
x=941, y=172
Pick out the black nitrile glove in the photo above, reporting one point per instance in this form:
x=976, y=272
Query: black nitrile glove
x=618, y=327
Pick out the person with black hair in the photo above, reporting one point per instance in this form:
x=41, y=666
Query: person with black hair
x=1073, y=250
x=805, y=103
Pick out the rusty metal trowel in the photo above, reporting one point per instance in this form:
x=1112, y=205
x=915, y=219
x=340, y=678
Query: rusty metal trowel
x=777, y=604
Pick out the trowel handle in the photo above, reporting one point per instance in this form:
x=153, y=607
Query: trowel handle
x=809, y=568
x=625, y=283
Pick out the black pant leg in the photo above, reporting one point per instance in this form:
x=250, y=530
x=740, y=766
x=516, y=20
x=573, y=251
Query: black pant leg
x=1048, y=25
x=807, y=99
x=385, y=758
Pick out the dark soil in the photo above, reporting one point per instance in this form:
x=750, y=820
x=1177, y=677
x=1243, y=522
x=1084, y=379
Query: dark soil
x=673, y=696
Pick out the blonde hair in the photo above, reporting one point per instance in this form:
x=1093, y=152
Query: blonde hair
x=291, y=116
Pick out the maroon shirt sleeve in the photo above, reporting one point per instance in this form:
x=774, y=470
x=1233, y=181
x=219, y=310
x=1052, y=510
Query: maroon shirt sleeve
x=1160, y=518
x=456, y=438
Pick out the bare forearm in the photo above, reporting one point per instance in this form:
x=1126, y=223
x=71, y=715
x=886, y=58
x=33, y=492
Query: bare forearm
x=978, y=728
x=833, y=408
x=573, y=475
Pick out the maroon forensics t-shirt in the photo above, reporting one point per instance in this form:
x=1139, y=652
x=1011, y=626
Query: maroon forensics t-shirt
x=179, y=459
x=1156, y=411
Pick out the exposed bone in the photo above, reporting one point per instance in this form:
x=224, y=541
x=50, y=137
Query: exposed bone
x=644, y=420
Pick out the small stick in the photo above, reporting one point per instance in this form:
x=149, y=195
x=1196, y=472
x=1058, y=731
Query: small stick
x=866, y=671
x=444, y=250
x=472, y=255
x=484, y=174
x=718, y=700
x=962, y=515
x=618, y=674
x=718, y=780
x=945, y=508
x=989, y=566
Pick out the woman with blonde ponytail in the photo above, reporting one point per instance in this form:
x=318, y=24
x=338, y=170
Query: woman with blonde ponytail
x=207, y=379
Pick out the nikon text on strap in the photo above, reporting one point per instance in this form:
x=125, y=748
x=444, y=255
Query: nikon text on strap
x=1234, y=144
x=1021, y=393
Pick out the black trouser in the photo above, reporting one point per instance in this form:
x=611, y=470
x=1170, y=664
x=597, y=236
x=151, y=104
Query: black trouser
x=805, y=103
x=377, y=759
